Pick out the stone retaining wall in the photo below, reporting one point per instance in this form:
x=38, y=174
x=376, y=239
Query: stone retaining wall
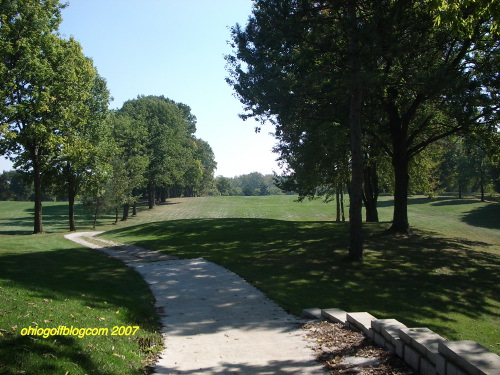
x=422, y=349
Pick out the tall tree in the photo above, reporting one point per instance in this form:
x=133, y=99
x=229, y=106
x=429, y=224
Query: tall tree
x=129, y=162
x=86, y=150
x=433, y=82
x=205, y=155
x=167, y=126
x=294, y=54
x=45, y=86
x=424, y=81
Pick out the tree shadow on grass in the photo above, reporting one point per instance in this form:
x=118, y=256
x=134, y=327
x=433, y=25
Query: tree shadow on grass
x=303, y=264
x=55, y=220
x=37, y=285
x=485, y=217
x=14, y=350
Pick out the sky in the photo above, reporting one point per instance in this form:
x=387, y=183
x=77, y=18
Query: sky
x=176, y=49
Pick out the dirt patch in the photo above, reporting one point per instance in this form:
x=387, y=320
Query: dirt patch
x=343, y=351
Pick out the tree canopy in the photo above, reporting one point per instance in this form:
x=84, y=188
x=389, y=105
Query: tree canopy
x=56, y=126
x=49, y=91
x=299, y=65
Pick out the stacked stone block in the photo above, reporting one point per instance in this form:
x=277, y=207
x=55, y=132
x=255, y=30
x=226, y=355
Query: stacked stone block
x=422, y=349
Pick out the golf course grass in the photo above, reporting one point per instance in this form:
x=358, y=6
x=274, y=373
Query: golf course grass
x=47, y=282
x=444, y=276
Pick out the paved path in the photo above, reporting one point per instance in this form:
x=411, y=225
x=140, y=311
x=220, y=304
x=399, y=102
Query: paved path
x=214, y=321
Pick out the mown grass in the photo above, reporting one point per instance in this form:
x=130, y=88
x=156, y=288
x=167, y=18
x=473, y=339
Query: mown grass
x=47, y=281
x=444, y=277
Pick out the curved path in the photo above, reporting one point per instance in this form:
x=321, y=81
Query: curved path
x=214, y=321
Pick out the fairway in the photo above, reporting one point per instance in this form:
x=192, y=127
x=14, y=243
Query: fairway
x=443, y=277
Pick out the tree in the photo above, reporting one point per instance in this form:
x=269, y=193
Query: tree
x=467, y=166
x=462, y=15
x=166, y=127
x=435, y=84
x=45, y=88
x=223, y=185
x=15, y=186
x=129, y=161
x=292, y=52
x=86, y=150
x=423, y=81
x=178, y=162
x=205, y=155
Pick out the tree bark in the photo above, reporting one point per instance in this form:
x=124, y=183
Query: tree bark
x=164, y=193
x=400, y=222
x=356, y=201
x=71, y=209
x=126, y=209
x=37, y=180
x=151, y=196
x=72, y=191
x=337, y=200
x=342, y=205
x=370, y=193
x=481, y=179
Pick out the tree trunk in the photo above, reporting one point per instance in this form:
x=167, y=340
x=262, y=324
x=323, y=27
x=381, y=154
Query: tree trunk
x=151, y=196
x=72, y=191
x=134, y=209
x=116, y=214
x=164, y=193
x=37, y=180
x=342, y=205
x=71, y=201
x=96, y=212
x=481, y=179
x=370, y=193
x=356, y=190
x=337, y=200
x=126, y=209
x=400, y=222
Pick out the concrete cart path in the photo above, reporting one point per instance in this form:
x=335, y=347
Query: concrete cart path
x=214, y=321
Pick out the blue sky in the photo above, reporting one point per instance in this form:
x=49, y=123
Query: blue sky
x=176, y=49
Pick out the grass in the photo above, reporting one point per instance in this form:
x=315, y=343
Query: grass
x=444, y=277
x=47, y=281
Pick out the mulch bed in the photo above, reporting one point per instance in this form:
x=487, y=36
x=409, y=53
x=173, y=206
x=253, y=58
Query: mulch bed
x=341, y=350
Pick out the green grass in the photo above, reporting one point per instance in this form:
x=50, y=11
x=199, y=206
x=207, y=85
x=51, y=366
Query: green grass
x=47, y=281
x=443, y=277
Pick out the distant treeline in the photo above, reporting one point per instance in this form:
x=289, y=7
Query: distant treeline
x=463, y=174
x=251, y=184
x=16, y=186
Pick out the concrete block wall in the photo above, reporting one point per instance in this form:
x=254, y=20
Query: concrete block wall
x=422, y=349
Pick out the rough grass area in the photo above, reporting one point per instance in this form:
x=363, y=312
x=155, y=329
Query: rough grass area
x=47, y=281
x=444, y=277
